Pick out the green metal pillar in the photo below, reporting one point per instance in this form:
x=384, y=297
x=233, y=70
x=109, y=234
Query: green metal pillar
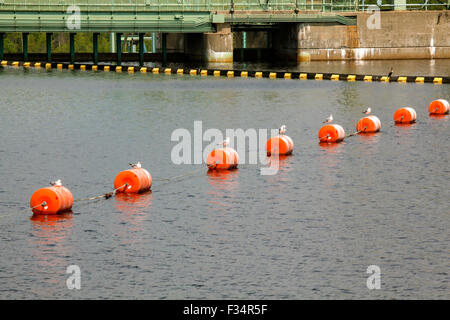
x=95, y=47
x=119, y=48
x=25, y=46
x=49, y=46
x=164, y=49
x=1, y=45
x=153, y=42
x=244, y=44
x=112, y=42
x=141, y=49
x=72, y=47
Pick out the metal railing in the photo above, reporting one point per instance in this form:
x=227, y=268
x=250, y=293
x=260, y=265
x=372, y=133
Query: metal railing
x=224, y=5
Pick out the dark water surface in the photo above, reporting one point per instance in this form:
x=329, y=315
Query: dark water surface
x=309, y=232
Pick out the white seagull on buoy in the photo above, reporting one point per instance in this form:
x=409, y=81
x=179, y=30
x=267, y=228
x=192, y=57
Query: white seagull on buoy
x=56, y=183
x=282, y=129
x=329, y=119
x=136, y=165
x=226, y=142
x=368, y=111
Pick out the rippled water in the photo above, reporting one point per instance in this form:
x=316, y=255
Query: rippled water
x=309, y=232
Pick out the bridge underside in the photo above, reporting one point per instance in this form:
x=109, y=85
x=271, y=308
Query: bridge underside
x=201, y=29
x=151, y=21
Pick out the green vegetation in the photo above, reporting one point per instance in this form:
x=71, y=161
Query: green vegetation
x=60, y=43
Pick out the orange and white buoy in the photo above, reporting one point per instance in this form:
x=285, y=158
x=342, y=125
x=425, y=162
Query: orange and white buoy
x=369, y=124
x=405, y=115
x=439, y=106
x=222, y=159
x=225, y=158
x=134, y=180
x=331, y=133
x=51, y=200
x=281, y=144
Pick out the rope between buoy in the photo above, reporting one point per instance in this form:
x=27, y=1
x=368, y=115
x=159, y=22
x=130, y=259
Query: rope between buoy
x=167, y=180
x=106, y=195
x=353, y=134
x=39, y=205
x=328, y=135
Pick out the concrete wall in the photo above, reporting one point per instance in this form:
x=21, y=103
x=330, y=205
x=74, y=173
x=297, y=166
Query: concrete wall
x=210, y=47
x=402, y=35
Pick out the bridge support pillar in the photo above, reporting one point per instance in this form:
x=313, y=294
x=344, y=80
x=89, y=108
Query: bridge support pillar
x=119, y=48
x=1, y=45
x=153, y=42
x=48, y=37
x=164, y=48
x=25, y=46
x=72, y=47
x=219, y=45
x=141, y=49
x=210, y=47
x=95, y=47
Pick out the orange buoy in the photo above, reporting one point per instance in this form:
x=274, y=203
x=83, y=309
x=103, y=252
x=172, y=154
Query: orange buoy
x=51, y=200
x=405, y=115
x=439, y=106
x=282, y=145
x=331, y=133
x=368, y=124
x=222, y=159
x=135, y=180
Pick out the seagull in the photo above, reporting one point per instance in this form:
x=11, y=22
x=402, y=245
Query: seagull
x=282, y=129
x=329, y=119
x=136, y=165
x=390, y=73
x=226, y=142
x=56, y=183
x=368, y=111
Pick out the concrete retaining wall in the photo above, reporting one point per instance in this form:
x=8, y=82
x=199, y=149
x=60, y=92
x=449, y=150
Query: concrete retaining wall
x=402, y=35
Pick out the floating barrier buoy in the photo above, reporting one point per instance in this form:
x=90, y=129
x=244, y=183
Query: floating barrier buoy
x=51, y=200
x=369, y=124
x=331, y=133
x=135, y=180
x=439, y=106
x=222, y=159
x=281, y=145
x=405, y=115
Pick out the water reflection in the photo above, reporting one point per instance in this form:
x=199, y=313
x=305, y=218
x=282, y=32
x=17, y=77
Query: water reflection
x=349, y=98
x=49, y=238
x=439, y=116
x=222, y=65
x=133, y=204
x=134, y=208
x=223, y=180
x=282, y=162
x=223, y=184
x=331, y=148
x=404, y=129
x=370, y=137
x=51, y=228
